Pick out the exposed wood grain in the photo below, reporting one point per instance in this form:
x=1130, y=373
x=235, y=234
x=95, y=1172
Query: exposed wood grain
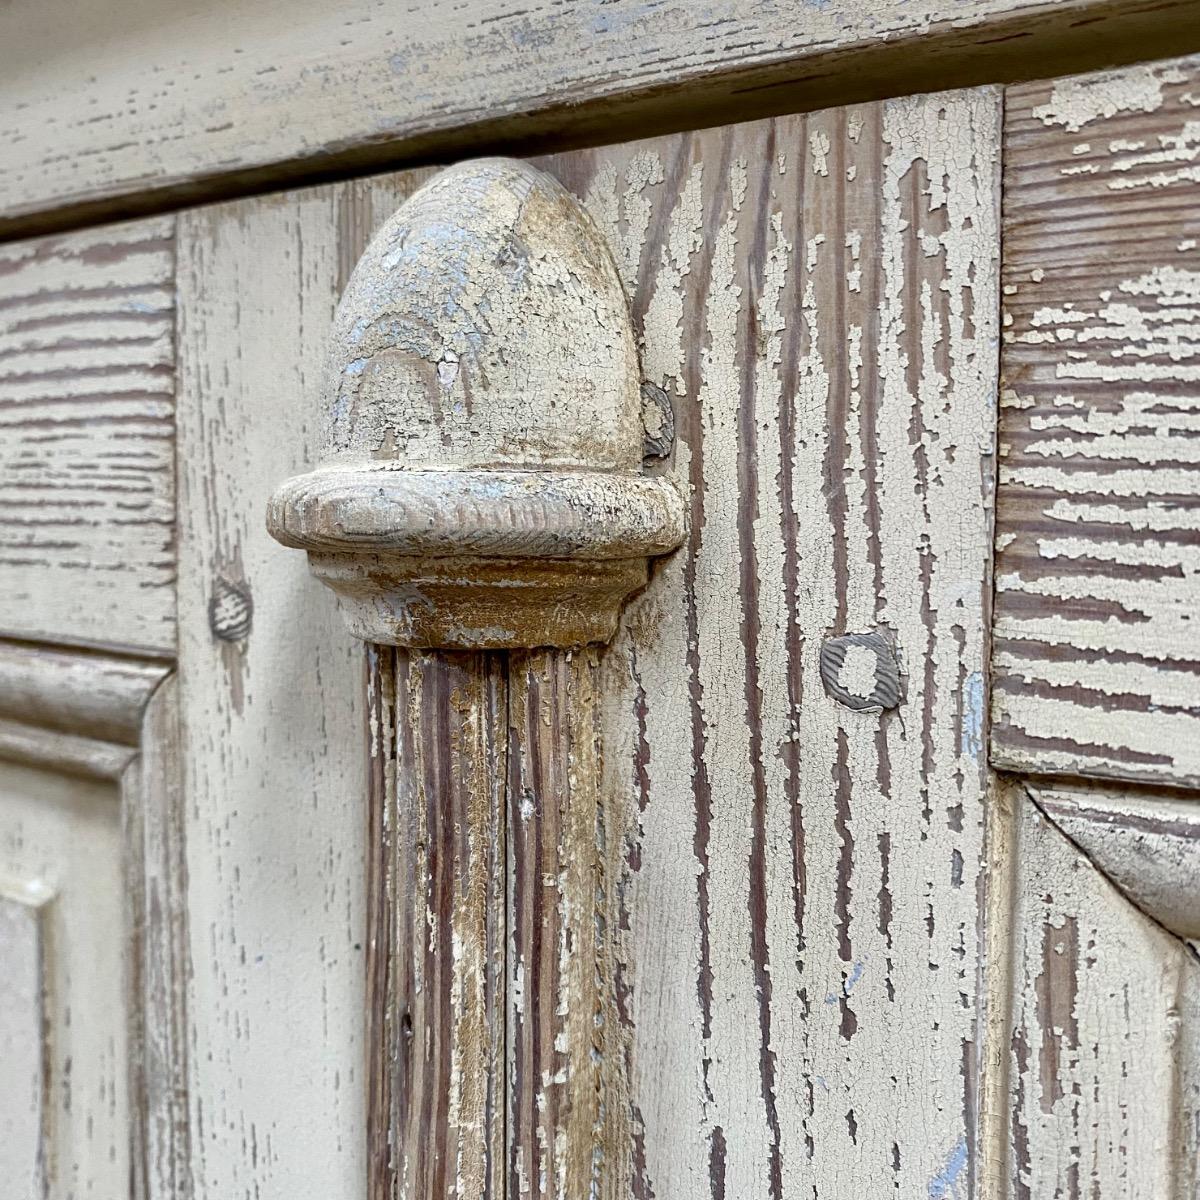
x=1105, y=1092
x=798, y=914
x=115, y=106
x=272, y=718
x=1098, y=525
x=801, y=912
x=86, y=425
x=480, y=483
x=568, y=1095
x=436, y=949
x=1147, y=845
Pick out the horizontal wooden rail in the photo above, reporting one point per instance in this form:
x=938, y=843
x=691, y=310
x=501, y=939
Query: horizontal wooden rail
x=112, y=113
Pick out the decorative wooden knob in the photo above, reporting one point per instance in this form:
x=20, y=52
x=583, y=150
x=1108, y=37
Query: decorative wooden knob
x=482, y=483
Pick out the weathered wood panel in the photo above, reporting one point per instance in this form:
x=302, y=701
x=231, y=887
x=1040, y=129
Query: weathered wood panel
x=73, y=712
x=1098, y=525
x=271, y=699
x=437, y=926
x=802, y=901
x=61, y=846
x=86, y=424
x=158, y=963
x=111, y=720
x=798, y=887
x=108, y=107
x=1104, y=1081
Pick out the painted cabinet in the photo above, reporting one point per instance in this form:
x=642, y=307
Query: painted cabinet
x=817, y=820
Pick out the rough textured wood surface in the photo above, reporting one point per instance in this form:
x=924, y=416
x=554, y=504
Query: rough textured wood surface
x=1147, y=845
x=1105, y=1089
x=568, y=1109
x=113, y=106
x=271, y=698
x=437, y=926
x=480, y=484
x=1098, y=524
x=799, y=891
x=86, y=423
x=802, y=899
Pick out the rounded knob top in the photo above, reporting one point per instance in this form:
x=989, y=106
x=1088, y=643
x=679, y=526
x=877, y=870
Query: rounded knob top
x=485, y=326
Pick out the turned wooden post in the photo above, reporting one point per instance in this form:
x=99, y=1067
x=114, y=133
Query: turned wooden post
x=482, y=515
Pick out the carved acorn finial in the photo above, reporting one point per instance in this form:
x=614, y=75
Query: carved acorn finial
x=482, y=481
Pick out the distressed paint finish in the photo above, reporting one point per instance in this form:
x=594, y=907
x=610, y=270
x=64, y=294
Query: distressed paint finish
x=801, y=908
x=481, y=487
x=112, y=108
x=796, y=888
x=480, y=482
x=272, y=721
x=92, y=720
x=568, y=1102
x=87, y=491
x=1106, y=1004
x=1098, y=519
x=1147, y=845
x=436, y=935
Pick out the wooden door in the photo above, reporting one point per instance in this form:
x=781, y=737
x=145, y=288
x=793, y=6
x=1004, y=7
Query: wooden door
x=857, y=861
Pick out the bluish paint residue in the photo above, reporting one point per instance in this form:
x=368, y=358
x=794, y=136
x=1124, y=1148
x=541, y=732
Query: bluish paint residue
x=972, y=731
x=945, y=1184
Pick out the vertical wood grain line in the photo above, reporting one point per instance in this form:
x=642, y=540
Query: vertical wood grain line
x=436, y=920
x=568, y=1134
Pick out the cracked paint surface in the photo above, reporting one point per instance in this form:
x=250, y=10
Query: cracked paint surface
x=1098, y=567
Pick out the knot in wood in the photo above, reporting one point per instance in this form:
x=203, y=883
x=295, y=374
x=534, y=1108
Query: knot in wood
x=482, y=484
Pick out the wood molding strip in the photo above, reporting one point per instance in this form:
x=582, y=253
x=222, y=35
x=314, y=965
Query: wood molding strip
x=436, y=924
x=1147, y=845
x=74, y=711
x=115, y=113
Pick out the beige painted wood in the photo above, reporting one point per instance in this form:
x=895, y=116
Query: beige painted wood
x=802, y=904
x=72, y=711
x=271, y=708
x=1104, y=1082
x=1098, y=532
x=158, y=962
x=86, y=424
x=776, y=960
x=61, y=837
x=91, y=739
x=1147, y=845
x=123, y=103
